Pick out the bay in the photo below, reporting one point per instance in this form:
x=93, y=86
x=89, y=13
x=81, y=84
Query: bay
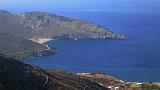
x=135, y=59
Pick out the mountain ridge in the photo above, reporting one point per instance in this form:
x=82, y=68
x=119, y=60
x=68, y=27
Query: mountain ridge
x=40, y=27
x=42, y=24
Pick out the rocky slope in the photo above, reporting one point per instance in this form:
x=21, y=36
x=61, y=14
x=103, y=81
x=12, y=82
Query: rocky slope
x=19, y=47
x=17, y=31
x=107, y=81
x=42, y=24
x=15, y=75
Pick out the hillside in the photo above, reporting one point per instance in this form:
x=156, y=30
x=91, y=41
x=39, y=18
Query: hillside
x=105, y=80
x=45, y=25
x=19, y=47
x=21, y=33
x=15, y=75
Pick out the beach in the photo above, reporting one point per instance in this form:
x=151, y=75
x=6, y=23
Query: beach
x=41, y=40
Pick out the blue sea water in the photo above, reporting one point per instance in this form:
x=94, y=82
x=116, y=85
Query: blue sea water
x=135, y=59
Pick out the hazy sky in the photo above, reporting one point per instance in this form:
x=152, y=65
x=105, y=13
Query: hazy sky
x=148, y=6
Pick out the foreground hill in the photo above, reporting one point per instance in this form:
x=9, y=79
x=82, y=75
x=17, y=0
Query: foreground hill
x=19, y=47
x=45, y=25
x=15, y=75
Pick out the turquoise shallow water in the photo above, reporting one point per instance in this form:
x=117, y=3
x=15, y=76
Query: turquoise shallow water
x=135, y=59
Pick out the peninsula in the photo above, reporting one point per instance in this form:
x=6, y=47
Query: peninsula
x=44, y=25
x=27, y=33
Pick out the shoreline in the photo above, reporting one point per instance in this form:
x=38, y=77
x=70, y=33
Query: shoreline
x=37, y=53
x=41, y=40
x=113, y=83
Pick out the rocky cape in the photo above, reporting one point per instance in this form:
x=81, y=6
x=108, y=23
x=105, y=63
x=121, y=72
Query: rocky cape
x=24, y=34
x=46, y=25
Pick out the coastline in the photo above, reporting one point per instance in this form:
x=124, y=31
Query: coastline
x=113, y=83
x=104, y=80
x=41, y=40
x=37, y=53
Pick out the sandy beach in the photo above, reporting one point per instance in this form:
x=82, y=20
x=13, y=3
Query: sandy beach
x=41, y=40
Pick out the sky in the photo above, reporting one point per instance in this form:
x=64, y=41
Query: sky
x=135, y=6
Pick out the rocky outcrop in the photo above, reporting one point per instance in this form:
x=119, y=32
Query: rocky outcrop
x=42, y=24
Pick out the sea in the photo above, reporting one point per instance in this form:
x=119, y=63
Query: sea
x=136, y=59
